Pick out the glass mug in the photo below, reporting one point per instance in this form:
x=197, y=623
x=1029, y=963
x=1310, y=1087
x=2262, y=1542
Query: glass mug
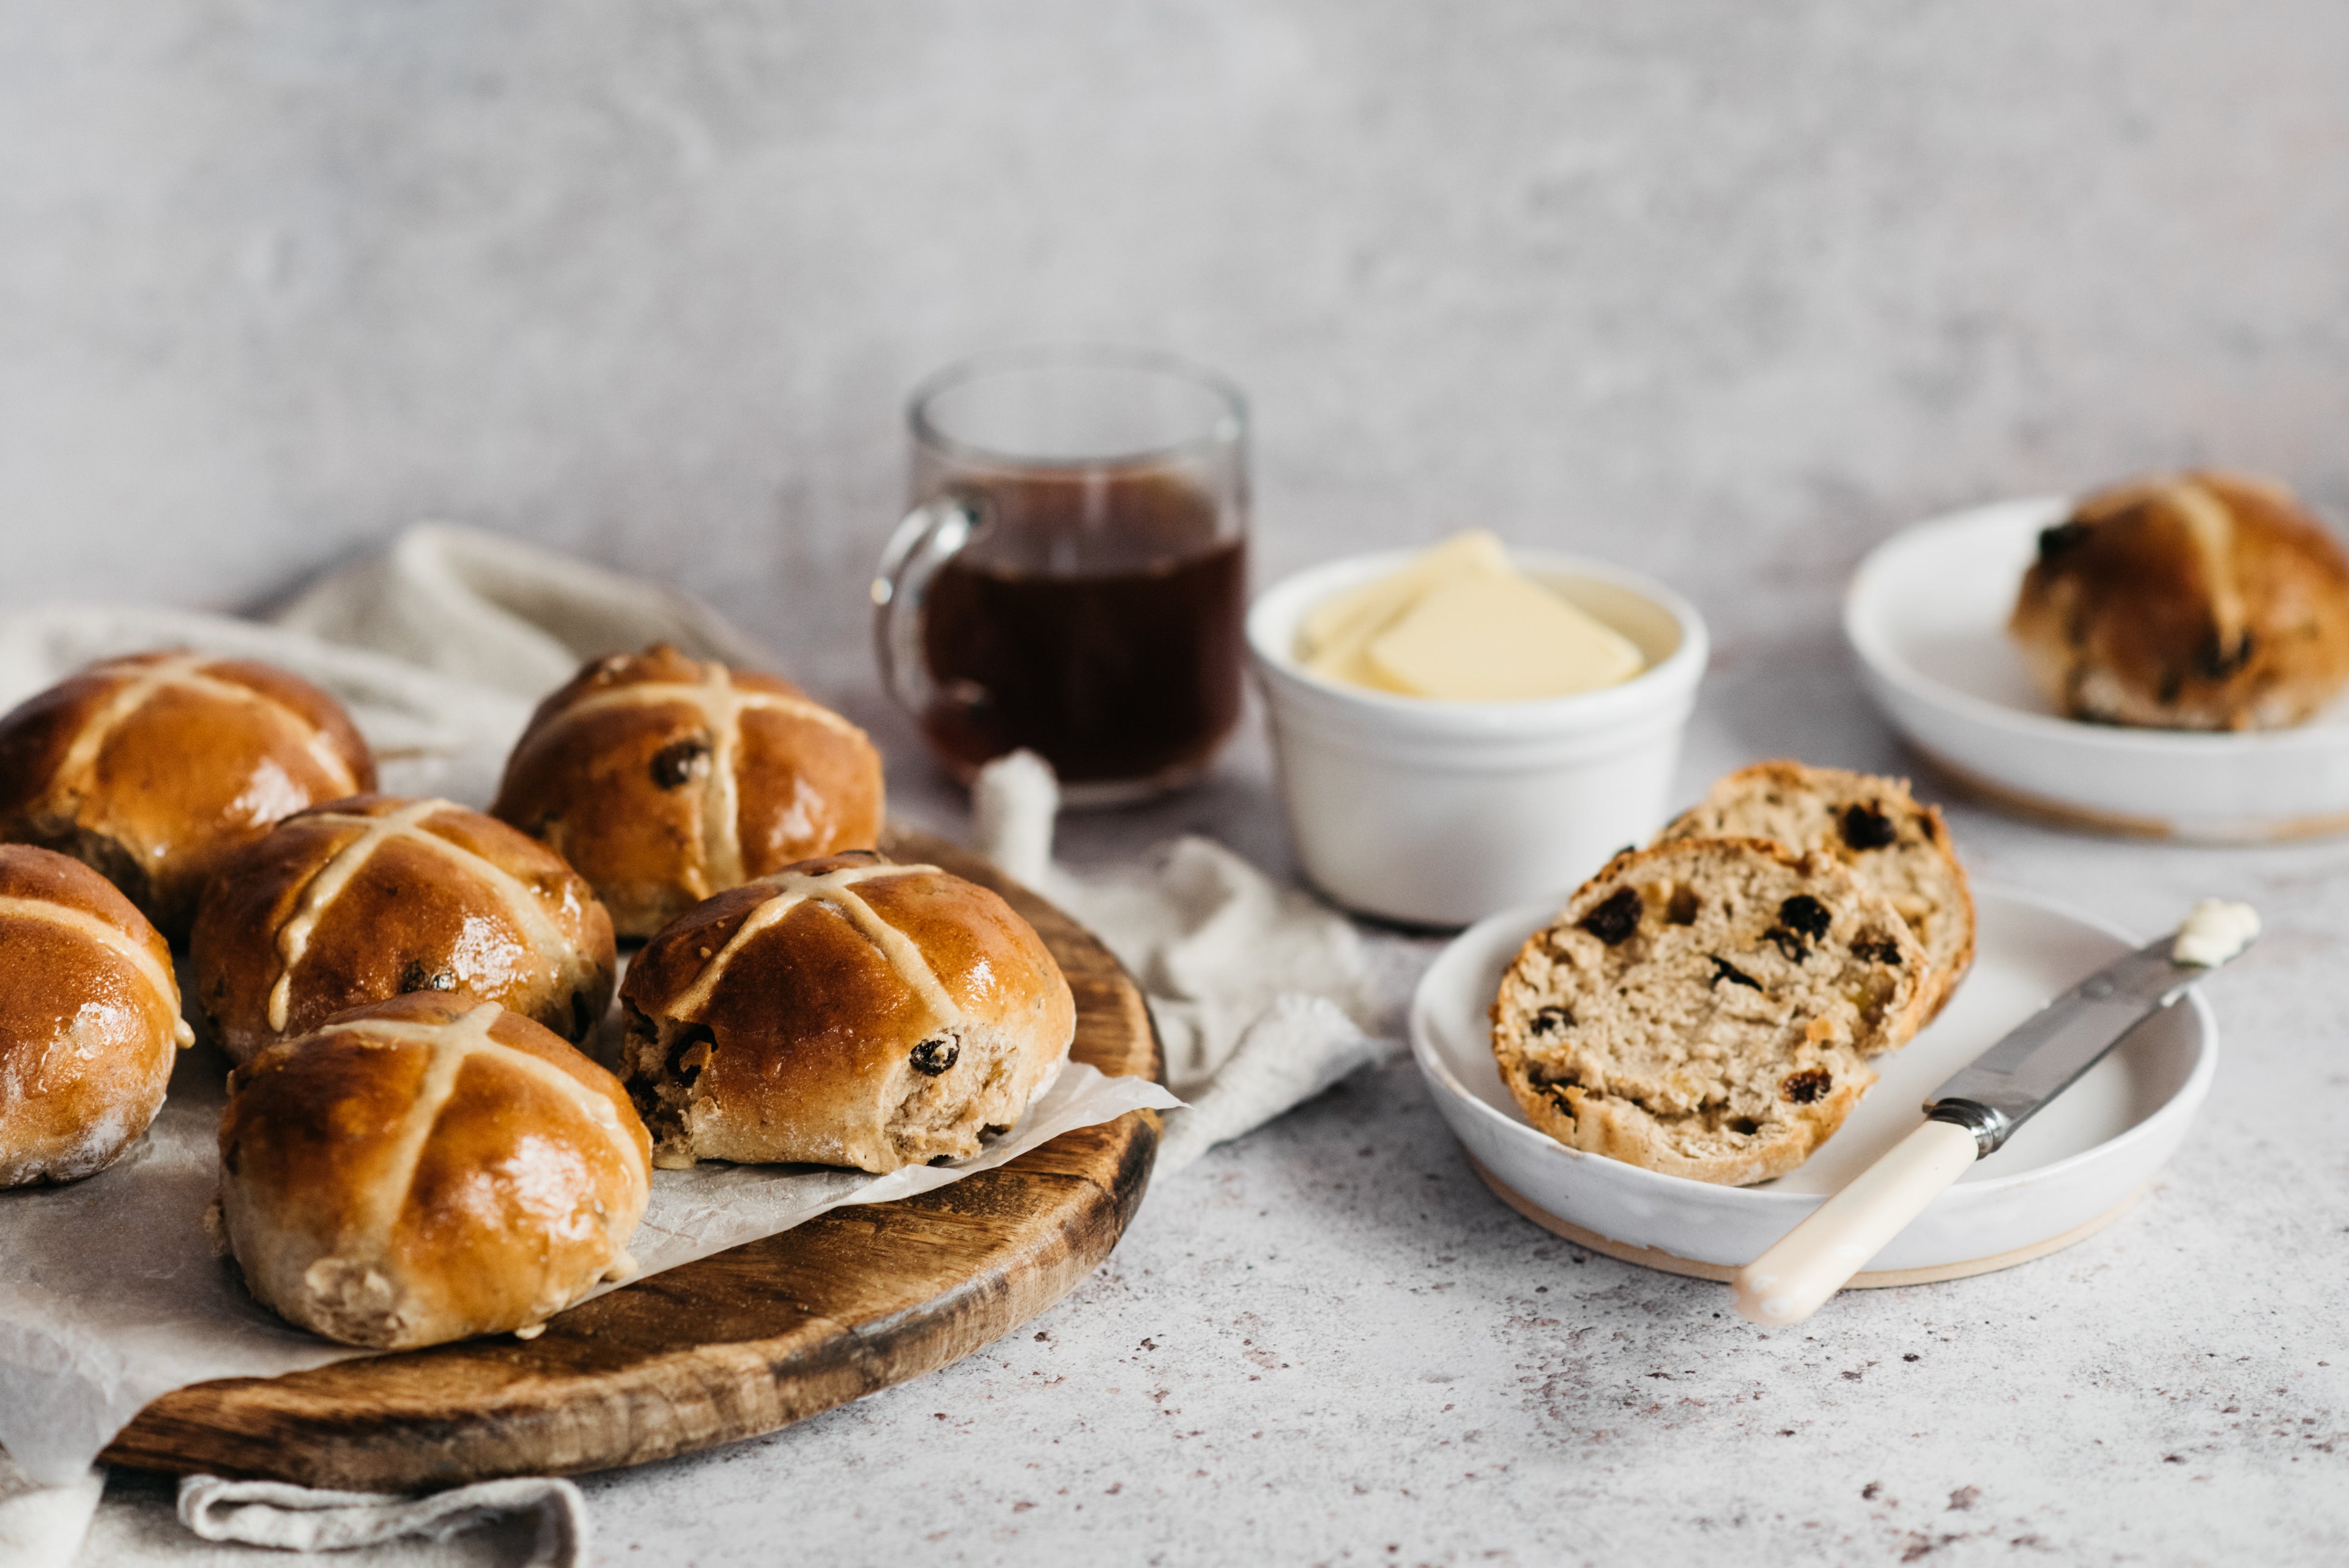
x=1073, y=577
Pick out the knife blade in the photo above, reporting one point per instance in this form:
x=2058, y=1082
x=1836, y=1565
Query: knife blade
x=2046, y=1053
x=1973, y=1113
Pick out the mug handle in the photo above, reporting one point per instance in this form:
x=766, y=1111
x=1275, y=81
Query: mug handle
x=928, y=537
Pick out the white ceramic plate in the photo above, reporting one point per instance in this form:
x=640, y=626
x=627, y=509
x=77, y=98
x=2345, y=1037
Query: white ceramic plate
x=1927, y=615
x=2076, y=1163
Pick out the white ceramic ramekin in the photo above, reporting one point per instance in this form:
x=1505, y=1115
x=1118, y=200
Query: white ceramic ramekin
x=1438, y=813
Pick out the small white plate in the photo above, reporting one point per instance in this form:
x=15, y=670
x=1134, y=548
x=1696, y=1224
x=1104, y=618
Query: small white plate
x=1927, y=614
x=2072, y=1166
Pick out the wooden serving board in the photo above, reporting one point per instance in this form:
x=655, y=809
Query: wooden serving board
x=733, y=1346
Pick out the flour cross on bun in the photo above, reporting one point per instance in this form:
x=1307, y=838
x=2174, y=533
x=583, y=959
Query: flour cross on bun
x=151, y=676
x=2192, y=601
x=721, y=703
x=790, y=890
x=665, y=780
x=152, y=767
x=428, y=1169
x=449, y=1046
x=375, y=896
x=89, y=1019
x=845, y=1011
x=140, y=956
x=405, y=824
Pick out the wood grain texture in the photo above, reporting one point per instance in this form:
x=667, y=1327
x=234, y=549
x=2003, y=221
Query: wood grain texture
x=733, y=1346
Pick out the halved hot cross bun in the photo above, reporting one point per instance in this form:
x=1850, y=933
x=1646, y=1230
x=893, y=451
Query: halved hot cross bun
x=1895, y=846
x=1706, y=1008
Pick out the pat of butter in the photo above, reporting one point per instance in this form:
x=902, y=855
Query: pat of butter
x=1461, y=624
x=1358, y=614
x=2214, y=932
x=1481, y=638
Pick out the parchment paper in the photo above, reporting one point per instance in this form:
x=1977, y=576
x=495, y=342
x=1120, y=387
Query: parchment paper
x=110, y=1292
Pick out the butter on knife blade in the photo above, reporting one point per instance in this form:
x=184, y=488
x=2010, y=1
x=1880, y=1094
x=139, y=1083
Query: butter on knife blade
x=1462, y=624
x=2214, y=930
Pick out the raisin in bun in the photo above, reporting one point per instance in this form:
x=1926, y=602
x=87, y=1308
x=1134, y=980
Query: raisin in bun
x=427, y=1168
x=1706, y=1007
x=2204, y=601
x=153, y=766
x=1897, y=846
x=89, y=1019
x=847, y=1011
x=665, y=780
x=375, y=896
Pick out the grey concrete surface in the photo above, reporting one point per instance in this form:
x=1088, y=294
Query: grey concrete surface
x=1727, y=292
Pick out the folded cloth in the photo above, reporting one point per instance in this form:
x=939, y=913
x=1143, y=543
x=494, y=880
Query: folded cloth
x=494, y=613
x=1262, y=997
x=41, y=1526
x=305, y=1519
x=439, y=647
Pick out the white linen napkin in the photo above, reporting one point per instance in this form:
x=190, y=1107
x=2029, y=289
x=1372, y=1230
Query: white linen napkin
x=305, y=1519
x=442, y=645
x=492, y=612
x=45, y=1526
x=41, y=1526
x=1262, y=997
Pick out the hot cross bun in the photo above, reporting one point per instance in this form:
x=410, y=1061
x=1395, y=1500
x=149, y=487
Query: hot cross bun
x=427, y=1168
x=153, y=766
x=665, y=780
x=2203, y=602
x=369, y=897
x=847, y=1011
x=89, y=1019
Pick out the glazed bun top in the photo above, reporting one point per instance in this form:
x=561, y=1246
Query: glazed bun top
x=89, y=1019
x=665, y=780
x=369, y=897
x=426, y=1168
x=847, y=1011
x=151, y=766
x=2199, y=602
x=40, y=884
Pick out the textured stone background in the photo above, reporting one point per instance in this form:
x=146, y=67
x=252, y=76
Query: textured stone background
x=1690, y=281
x=1724, y=291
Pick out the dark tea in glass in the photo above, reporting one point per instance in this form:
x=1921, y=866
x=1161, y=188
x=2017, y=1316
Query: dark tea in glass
x=1073, y=576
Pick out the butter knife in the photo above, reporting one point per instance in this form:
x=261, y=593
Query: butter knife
x=1971, y=1117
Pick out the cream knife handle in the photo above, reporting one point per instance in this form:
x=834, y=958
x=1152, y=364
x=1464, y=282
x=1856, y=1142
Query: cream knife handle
x=1817, y=1258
